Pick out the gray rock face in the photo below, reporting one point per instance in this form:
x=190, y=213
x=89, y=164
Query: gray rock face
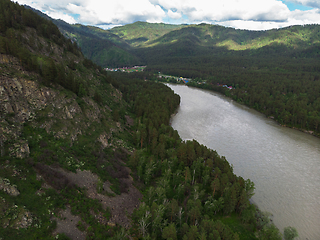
x=8, y=188
x=57, y=111
x=20, y=149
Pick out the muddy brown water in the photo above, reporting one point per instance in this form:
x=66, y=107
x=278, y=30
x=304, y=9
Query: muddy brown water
x=283, y=163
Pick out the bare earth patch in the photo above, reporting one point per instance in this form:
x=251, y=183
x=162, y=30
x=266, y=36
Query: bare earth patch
x=120, y=206
x=67, y=224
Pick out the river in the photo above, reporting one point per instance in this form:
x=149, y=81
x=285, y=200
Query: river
x=283, y=163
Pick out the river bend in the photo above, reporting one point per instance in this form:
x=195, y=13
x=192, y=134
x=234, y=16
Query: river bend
x=283, y=163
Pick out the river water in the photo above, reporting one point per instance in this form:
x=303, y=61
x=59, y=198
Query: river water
x=283, y=163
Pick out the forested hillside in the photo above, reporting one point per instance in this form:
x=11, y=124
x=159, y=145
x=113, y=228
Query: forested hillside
x=102, y=47
x=140, y=34
x=64, y=132
x=69, y=133
x=190, y=192
x=275, y=71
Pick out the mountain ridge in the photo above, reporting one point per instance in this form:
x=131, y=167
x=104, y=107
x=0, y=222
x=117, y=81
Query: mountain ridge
x=132, y=44
x=88, y=154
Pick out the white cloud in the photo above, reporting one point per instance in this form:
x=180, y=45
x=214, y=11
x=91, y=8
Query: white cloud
x=251, y=25
x=57, y=9
x=119, y=12
x=174, y=15
x=65, y=17
x=309, y=3
x=305, y=17
x=227, y=9
x=296, y=17
x=239, y=10
x=45, y=5
x=99, y=12
x=244, y=14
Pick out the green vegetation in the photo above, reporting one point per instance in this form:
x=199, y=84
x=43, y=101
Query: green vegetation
x=98, y=123
x=276, y=75
x=290, y=233
x=190, y=191
x=139, y=34
x=35, y=190
x=275, y=71
x=286, y=91
x=104, y=48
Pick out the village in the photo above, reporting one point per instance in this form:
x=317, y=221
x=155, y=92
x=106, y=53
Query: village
x=127, y=69
x=164, y=77
x=178, y=79
x=184, y=80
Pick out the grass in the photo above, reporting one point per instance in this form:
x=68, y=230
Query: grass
x=26, y=204
x=233, y=221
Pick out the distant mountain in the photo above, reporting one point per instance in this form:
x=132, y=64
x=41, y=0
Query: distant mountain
x=155, y=43
x=140, y=34
x=69, y=131
x=204, y=39
x=233, y=39
x=102, y=47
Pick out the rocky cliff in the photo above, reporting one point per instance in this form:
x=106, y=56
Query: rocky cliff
x=65, y=134
x=23, y=100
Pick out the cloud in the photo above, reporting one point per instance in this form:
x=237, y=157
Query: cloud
x=97, y=12
x=57, y=9
x=174, y=15
x=305, y=17
x=252, y=25
x=309, y=3
x=296, y=17
x=120, y=12
x=250, y=10
x=244, y=14
x=224, y=10
x=65, y=17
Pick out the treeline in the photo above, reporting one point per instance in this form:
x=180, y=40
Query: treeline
x=14, y=16
x=190, y=192
x=139, y=94
x=283, y=88
x=105, y=53
x=280, y=79
x=50, y=71
x=19, y=37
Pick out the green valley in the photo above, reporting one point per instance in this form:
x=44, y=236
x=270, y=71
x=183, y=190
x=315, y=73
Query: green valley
x=90, y=154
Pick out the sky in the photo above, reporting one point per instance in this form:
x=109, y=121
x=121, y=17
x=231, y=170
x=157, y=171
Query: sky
x=239, y=14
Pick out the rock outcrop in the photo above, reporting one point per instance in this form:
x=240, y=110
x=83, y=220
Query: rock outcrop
x=23, y=100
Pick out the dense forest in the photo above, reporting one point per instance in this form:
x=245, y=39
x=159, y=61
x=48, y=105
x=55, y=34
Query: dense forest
x=190, y=192
x=62, y=115
x=275, y=72
x=279, y=79
x=71, y=117
x=102, y=47
x=282, y=88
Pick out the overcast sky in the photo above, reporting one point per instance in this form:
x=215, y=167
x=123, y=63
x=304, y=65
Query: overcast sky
x=240, y=14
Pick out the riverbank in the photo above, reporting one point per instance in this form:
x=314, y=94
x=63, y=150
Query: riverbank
x=283, y=163
x=223, y=91
x=301, y=130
